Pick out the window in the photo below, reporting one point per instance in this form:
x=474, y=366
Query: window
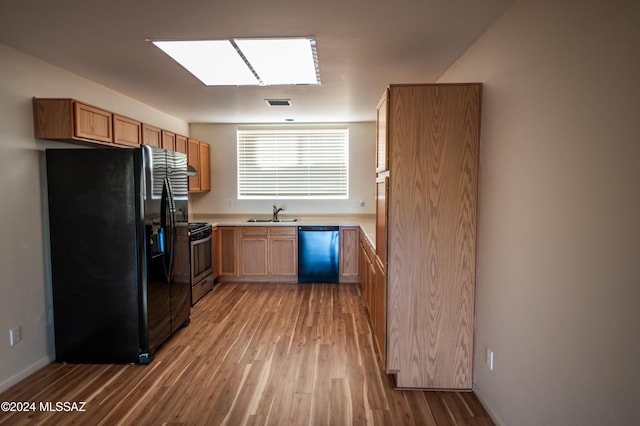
x=293, y=163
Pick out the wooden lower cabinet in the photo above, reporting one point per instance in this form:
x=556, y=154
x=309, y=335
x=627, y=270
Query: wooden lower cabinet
x=227, y=250
x=215, y=244
x=372, y=280
x=261, y=253
x=379, y=302
x=349, y=237
x=283, y=252
x=253, y=251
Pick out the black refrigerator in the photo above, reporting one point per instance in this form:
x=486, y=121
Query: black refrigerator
x=113, y=216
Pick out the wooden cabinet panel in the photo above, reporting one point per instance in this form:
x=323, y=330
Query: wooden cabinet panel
x=215, y=244
x=181, y=144
x=151, y=136
x=253, y=255
x=382, y=153
x=228, y=254
x=433, y=142
x=349, y=254
x=268, y=253
x=379, y=301
x=283, y=256
x=205, y=178
x=168, y=140
x=193, y=159
x=92, y=123
x=382, y=194
x=70, y=120
x=198, y=157
x=126, y=131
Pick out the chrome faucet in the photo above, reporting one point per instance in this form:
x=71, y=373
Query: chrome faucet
x=276, y=210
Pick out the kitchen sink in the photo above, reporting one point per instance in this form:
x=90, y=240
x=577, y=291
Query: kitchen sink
x=253, y=219
x=288, y=220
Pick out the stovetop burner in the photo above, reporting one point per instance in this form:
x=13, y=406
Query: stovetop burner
x=197, y=227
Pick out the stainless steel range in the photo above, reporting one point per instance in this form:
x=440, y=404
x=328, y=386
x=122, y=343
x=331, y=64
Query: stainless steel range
x=201, y=259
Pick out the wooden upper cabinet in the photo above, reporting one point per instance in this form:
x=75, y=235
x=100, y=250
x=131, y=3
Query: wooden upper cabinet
x=198, y=156
x=283, y=251
x=151, y=136
x=181, y=144
x=204, y=170
x=193, y=159
x=382, y=122
x=68, y=119
x=126, y=131
x=92, y=123
x=168, y=140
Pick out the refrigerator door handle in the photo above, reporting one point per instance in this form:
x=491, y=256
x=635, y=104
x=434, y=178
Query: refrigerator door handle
x=172, y=227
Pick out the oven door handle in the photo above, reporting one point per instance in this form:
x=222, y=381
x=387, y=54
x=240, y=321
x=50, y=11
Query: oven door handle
x=202, y=240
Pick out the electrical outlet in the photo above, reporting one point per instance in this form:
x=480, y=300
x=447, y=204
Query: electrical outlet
x=229, y=203
x=15, y=335
x=358, y=203
x=490, y=359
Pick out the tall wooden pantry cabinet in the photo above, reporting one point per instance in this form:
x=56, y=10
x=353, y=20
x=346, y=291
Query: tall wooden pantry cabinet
x=428, y=148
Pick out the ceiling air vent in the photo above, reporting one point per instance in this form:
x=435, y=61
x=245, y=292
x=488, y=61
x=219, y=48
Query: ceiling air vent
x=278, y=102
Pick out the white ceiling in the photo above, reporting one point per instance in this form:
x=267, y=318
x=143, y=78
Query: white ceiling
x=363, y=45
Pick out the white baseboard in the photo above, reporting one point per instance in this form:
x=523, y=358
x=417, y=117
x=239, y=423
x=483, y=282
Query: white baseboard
x=494, y=416
x=6, y=384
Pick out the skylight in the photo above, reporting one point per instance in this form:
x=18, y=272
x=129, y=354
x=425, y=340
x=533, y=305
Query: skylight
x=256, y=61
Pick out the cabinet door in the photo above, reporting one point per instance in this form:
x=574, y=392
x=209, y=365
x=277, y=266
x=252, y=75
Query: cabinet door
x=253, y=255
x=349, y=254
x=227, y=251
x=380, y=308
x=193, y=159
x=181, y=144
x=382, y=147
x=382, y=194
x=434, y=133
x=283, y=256
x=168, y=140
x=126, y=131
x=92, y=123
x=205, y=178
x=151, y=136
x=215, y=244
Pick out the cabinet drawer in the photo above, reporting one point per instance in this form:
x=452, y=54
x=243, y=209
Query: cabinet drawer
x=255, y=230
x=201, y=288
x=283, y=230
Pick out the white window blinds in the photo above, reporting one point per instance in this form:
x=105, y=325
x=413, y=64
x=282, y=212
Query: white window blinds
x=303, y=163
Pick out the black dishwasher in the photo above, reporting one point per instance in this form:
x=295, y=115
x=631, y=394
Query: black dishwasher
x=318, y=254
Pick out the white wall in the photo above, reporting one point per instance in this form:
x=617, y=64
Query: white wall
x=222, y=138
x=559, y=214
x=24, y=299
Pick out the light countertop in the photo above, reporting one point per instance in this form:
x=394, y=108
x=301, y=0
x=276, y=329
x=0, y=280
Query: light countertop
x=367, y=222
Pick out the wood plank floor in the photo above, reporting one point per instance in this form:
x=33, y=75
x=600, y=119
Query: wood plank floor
x=253, y=354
